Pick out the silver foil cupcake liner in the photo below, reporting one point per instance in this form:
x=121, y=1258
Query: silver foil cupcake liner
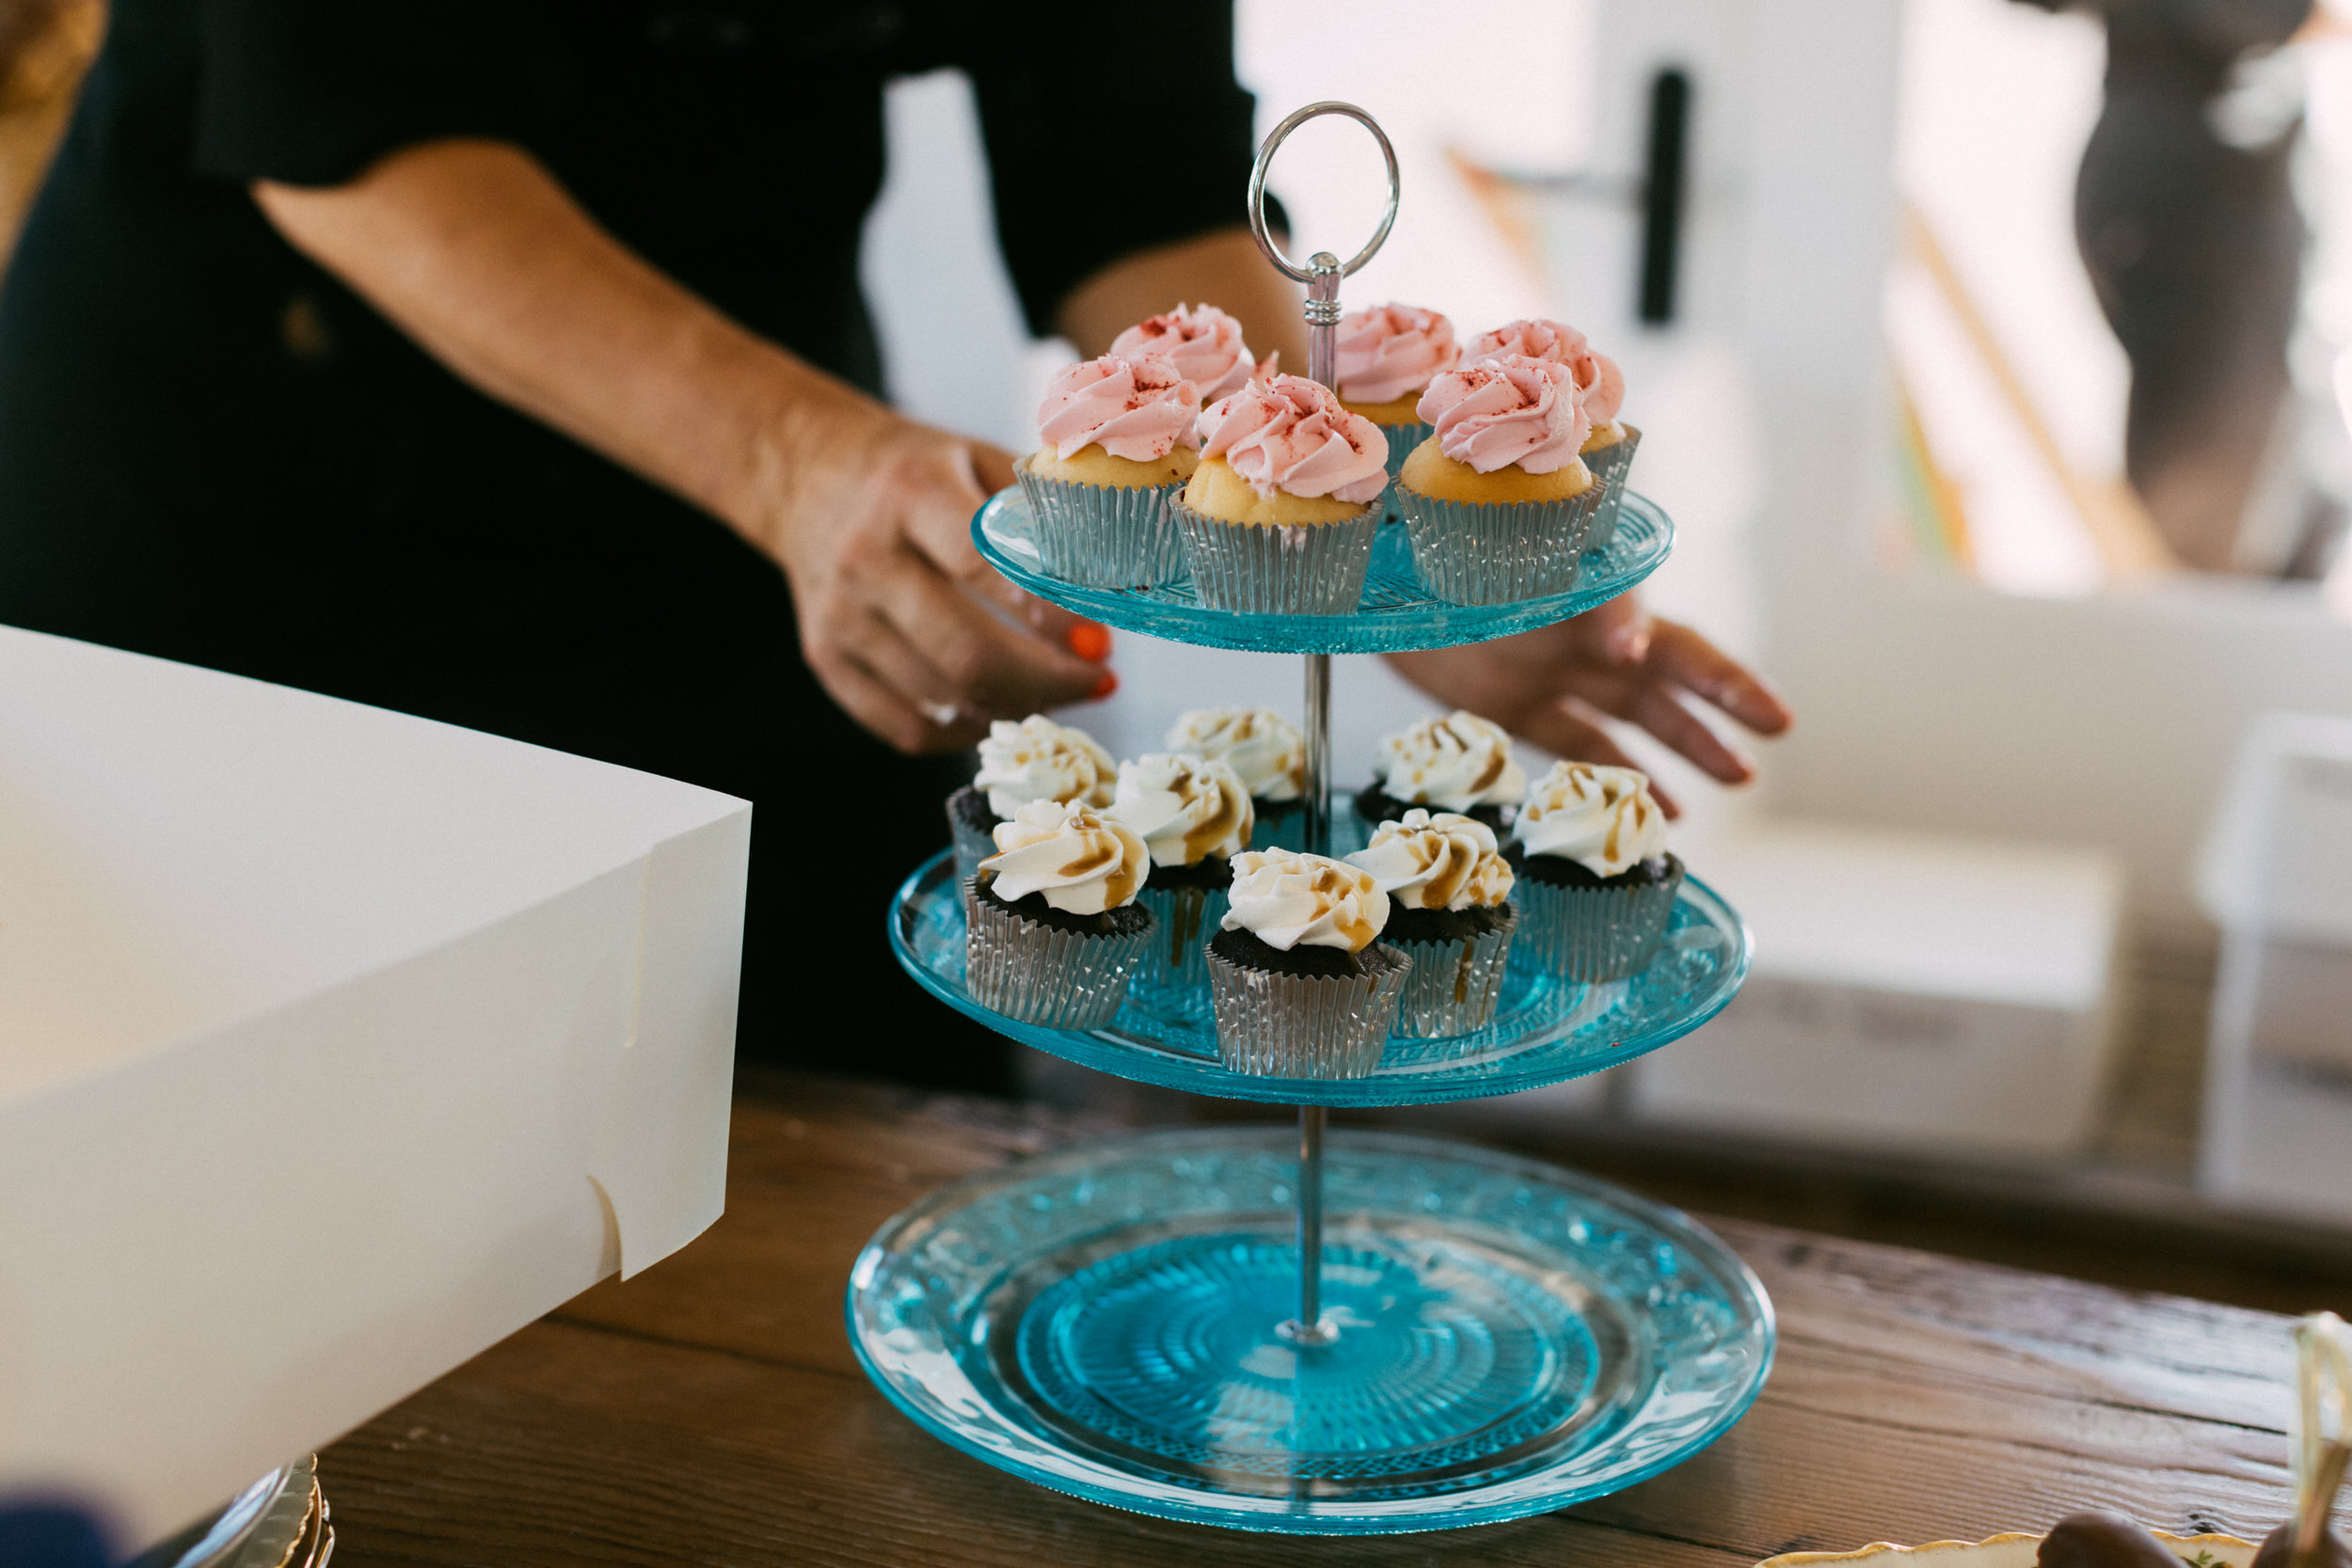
x=1609, y=466
x=1403, y=439
x=1453, y=985
x=1183, y=919
x=1035, y=973
x=972, y=847
x=1299, y=569
x=1100, y=536
x=1497, y=552
x=1275, y=1025
x=1594, y=934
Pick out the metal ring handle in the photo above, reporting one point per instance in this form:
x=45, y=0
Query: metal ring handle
x=1256, y=189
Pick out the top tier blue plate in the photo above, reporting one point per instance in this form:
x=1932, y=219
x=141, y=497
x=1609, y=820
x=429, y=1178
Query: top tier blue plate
x=1395, y=615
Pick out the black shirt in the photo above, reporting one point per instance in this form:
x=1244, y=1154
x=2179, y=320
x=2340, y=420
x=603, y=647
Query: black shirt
x=212, y=451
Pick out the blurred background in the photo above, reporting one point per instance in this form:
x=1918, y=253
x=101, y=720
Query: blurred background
x=1994, y=361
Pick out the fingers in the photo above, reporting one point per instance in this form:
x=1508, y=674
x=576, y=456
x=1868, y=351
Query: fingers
x=939, y=491
x=1680, y=655
x=871, y=702
x=1618, y=632
x=1683, y=731
x=975, y=659
x=992, y=465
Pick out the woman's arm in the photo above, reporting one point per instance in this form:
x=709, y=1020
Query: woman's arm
x=474, y=250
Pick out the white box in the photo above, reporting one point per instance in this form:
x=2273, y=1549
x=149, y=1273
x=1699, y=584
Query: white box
x=2277, y=875
x=335, y=1045
x=1907, y=991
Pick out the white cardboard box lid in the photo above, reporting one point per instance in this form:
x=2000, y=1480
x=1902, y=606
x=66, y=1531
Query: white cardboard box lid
x=212, y=889
x=2278, y=857
x=1965, y=918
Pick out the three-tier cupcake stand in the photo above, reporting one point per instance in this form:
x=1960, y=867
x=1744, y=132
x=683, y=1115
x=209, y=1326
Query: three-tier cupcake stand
x=1367, y=1333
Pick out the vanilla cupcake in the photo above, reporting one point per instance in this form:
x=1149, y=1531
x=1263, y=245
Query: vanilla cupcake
x=1120, y=443
x=1496, y=502
x=1279, y=515
x=1270, y=756
x=1202, y=342
x=1302, y=985
x=1459, y=763
x=1596, y=884
x=1193, y=814
x=1053, y=928
x=1383, y=360
x=1036, y=759
x=1608, y=446
x=1450, y=912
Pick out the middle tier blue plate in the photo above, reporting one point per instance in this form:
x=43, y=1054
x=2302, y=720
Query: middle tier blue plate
x=1545, y=1030
x=1396, y=614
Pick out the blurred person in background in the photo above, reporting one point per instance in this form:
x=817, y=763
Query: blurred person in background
x=2195, y=246
x=505, y=363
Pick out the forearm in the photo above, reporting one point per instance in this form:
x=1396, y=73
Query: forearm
x=1224, y=269
x=475, y=251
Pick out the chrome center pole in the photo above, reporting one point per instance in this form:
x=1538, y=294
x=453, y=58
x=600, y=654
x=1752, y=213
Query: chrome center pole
x=1309, y=1328
x=1321, y=274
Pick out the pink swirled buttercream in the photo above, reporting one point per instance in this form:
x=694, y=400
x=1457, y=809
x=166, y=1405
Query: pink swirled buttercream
x=1200, y=341
x=1287, y=432
x=1139, y=409
x=1507, y=408
x=1391, y=350
x=1598, y=381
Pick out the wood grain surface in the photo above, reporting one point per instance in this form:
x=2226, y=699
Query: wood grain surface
x=711, y=1411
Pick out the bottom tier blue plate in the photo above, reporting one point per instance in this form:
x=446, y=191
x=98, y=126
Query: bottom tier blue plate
x=1513, y=1338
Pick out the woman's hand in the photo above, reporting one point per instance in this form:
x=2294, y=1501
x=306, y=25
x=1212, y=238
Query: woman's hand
x=1558, y=686
x=870, y=515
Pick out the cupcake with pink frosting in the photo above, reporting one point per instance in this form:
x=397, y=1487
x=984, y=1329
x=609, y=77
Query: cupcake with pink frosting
x=1384, y=359
x=1280, y=514
x=1608, y=449
x=1201, y=342
x=1496, y=502
x=1119, y=443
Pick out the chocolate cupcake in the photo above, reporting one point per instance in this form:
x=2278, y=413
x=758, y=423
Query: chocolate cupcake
x=1036, y=759
x=1450, y=912
x=1053, y=930
x=1302, y=985
x=1597, y=885
x=1460, y=763
x=1270, y=756
x=1193, y=816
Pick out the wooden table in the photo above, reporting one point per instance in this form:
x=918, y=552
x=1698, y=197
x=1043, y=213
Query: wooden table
x=711, y=1411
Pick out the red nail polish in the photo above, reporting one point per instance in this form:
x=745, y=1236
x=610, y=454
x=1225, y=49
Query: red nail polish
x=1108, y=684
x=1089, y=641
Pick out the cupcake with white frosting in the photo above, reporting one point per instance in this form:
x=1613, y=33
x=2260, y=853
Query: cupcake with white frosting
x=1459, y=763
x=1450, y=912
x=1118, y=444
x=1597, y=883
x=1303, y=985
x=1193, y=814
x=1036, y=759
x=1607, y=445
x=1268, y=753
x=1053, y=928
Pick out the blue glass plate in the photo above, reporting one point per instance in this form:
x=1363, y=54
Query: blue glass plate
x=1513, y=1338
x=1395, y=614
x=1544, y=1029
